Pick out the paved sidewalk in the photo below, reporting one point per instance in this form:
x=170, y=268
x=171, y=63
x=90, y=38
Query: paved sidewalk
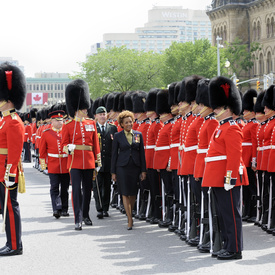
x=53, y=246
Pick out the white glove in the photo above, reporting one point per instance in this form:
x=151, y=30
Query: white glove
x=71, y=147
x=9, y=183
x=227, y=186
x=97, y=168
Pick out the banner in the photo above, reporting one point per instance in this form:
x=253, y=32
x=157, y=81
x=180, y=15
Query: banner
x=36, y=98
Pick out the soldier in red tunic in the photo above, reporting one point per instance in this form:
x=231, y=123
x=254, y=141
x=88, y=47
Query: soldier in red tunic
x=53, y=159
x=224, y=169
x=12, y=96
x=27, y=138
x=80, y=141
x=249, y=149
x=150, y=144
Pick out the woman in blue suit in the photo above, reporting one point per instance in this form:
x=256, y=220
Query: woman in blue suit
x=128, y=165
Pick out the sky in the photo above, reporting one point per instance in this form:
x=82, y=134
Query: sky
x=55, y=35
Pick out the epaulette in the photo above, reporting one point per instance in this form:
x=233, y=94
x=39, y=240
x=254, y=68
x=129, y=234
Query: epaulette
x=13, y=116
x=89, y=118
x=232, y=122
x=148, y=121
x=46, y=130
x=157, y=121
x=68, y=121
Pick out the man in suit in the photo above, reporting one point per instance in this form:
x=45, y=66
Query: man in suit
x=102, y=183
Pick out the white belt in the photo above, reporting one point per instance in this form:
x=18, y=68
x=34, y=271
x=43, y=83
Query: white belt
x=216, y=158
x=162, y=148
x=57, y=155
x=191, y=148
x=173, y=145
x=259, y=148
x=181, y=147
x=150, y=147
x=26, y=133
x=201, y=151
x=33, y=134
x=266, y=147
x=246, y=144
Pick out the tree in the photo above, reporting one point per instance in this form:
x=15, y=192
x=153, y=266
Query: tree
x=121, y=69
x=184, y=59
x=240, y=56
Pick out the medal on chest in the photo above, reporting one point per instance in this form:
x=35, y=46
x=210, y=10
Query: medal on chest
x=137, y=138
x=89, y=128
x=218, y=133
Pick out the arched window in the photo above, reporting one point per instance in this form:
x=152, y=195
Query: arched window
x=224, y=34
x=258, y=30
x=261, y=64
x=254, y=31
x=269, y=63
x=272, y=27
x=268, y=28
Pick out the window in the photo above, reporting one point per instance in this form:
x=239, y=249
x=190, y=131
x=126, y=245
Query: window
x=269, y=63
x=261, y=64
x=258, y=30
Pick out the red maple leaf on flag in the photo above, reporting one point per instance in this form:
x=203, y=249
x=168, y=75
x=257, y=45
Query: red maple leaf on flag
x=37, y=98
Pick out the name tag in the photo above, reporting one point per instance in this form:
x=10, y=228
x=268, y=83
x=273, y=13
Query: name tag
x=89, y=128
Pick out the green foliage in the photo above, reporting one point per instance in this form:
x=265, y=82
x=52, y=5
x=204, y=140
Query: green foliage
x=184, y=59
x=121, y=69
x=240, y=55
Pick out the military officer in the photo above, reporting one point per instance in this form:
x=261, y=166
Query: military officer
x=12, y=96
x=80, y=140
x=102, y=184
x=53, y=159
x=224, y=160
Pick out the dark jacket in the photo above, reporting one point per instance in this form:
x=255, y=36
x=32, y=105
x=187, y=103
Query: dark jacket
x=122, y=151
x=105, y=142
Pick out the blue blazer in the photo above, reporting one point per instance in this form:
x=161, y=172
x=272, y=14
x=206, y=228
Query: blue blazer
x=122, y=151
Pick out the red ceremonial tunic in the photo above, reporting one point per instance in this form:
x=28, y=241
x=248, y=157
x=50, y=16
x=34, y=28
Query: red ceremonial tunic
x=260, y=139
x=271, y=158
x=249, y=145
x=143, y=128
x=12, y=133
x=175, y=143
x=28, y=133
x=268, y=129
x=162, y=149
x=51, y=152
x=205, y=133
x=224, y=155
x=82, y=132
x=135, y=125
x=34, y=129
x=184, y=127
x=240, y=122
x=150, y=142
x=118, y=126
x=191, y=146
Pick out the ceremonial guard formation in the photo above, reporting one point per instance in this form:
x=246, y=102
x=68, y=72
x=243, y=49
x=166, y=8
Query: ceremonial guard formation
x=195, y=158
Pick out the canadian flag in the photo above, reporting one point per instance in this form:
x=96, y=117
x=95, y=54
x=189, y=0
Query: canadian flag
x=36, y=98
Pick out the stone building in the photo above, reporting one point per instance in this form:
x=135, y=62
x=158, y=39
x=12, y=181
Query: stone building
x=250, y=20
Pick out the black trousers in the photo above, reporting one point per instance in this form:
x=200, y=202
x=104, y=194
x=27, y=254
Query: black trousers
x=104, y=180
x=13, y=219
x=230, y=220
x=27, y=151
x=166, y=176
x=59, y=191
x=82, y=183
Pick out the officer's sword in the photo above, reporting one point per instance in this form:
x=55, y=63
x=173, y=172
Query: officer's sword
x=5, y=209
x=98, y=192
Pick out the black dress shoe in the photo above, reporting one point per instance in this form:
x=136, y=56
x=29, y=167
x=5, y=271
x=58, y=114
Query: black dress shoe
x=6, y=251
x=230, y=256
x=245, y=218
x=56, y=214
x=270, y=230
x=99, y=215
x=216, y=253
x=251, y=220
x=273, y=233
x=87, y=221
x=142, y=217
x=105, y=214
x=64, y=214
x=129, y=228
x=154, y=221
x=78, y=226
x=194, y=242
x=204, y=248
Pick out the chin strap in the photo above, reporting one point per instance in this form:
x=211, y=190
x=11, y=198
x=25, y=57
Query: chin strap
x=220, y=113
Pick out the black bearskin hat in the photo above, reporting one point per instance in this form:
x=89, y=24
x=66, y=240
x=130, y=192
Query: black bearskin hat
x=191, y=87
x=121, y=104
x=77, y=96
x=33, y=112
x=223, y=92
x=12, y=85
x=248, y=100
x=258, y=108
x=139, y=98
x=98, y=102
x=116, y=102
x=151, y=100
x=162, y=102
x=90, y=110
x=269, y=98
x=202, y=96
x=128, y=101
x=38, y=115
x=27, y=117
x=182, y=92
x=171, y=93
x=176, y=94
x=110, y=102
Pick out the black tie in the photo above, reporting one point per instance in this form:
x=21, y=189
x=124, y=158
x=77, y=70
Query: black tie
x=102, y=129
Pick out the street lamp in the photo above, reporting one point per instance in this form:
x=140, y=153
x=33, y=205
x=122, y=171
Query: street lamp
x=218, y=39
